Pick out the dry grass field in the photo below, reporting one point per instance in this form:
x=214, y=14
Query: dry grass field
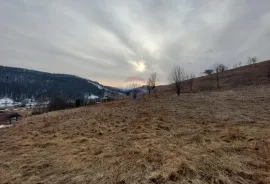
x=208, y=137
x=255, y=74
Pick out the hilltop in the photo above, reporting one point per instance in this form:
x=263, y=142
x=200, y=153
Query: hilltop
x=206, y=137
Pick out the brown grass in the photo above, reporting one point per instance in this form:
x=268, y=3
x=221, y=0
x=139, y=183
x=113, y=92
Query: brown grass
x=208, y=137
x=255, y=74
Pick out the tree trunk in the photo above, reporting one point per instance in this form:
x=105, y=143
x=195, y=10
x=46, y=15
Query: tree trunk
x=269, y=71
x=178, y=88
x=217, y=75
x=178, y=92
x=191, y=84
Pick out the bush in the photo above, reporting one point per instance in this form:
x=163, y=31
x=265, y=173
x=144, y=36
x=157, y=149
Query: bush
x=91, y=102
x=38, y=111
x=208, y=71
x=79, y=103
x=57, y=103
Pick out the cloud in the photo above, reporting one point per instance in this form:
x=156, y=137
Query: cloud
x=139, y=65
x=109, y=42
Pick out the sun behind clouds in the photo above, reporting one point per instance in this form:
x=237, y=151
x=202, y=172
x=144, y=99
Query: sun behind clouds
x=138, y=65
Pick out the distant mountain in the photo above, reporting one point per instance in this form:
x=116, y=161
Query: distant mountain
x=19, y=83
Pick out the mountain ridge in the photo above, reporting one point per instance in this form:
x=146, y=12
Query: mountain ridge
x=20, y=83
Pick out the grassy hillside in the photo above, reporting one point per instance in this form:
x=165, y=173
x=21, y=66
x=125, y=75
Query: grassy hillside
x=255, y=74
x=246, y=75
x=208, y=137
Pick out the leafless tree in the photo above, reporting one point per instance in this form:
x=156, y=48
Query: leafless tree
x=177, y=78
x=268, y=71
x=252, y=60
x=133, y=85
x=240, y=64
x=219, y=68
x=148, y=85
x=217, y=76
x=190, y=80
x=208, y=71
x=151, y=82
x=235, y=66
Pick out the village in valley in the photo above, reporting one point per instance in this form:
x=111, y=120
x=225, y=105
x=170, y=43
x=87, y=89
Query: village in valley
x=30, y=106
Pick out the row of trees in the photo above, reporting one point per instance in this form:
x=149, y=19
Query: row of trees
x=178, y=78
x=222, y=68
x=218, y=68
x=250, y=61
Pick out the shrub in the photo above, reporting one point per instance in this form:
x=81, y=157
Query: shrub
x=38, y=111
x=208, y=71
x=78, y=103
x=57, y=103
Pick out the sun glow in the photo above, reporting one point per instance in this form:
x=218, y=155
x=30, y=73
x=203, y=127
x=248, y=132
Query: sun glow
x=139, y=65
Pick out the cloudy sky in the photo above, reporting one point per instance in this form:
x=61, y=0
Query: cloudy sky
x=111, y=40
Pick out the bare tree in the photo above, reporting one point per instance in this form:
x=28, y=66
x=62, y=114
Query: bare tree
x=208, y=71
x=240, y=64
x=177, y=78
x=190, y=79
x=132, y=89
x=217, y=75
x=252, y=60
x=268, y=71
x=133, y=85
x=235, y=66
x=148, y=85
x=151, y=82
x=221, y=68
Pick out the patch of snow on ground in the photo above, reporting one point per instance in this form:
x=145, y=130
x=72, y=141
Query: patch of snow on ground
x=5, y=126
x=6, y=102
x=99, y=86
x=91, y=97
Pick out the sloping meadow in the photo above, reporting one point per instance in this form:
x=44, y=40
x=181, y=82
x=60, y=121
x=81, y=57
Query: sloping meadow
x=207, y=137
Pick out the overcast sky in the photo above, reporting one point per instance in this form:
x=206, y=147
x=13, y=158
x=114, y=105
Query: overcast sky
x=111, y=40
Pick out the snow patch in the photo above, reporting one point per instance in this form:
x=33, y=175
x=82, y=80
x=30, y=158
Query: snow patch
x=91, y=97
x=5, y=126
x=30, y=102
x=6, y=102
x=99, y=86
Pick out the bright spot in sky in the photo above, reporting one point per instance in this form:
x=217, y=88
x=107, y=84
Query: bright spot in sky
x=139, y=65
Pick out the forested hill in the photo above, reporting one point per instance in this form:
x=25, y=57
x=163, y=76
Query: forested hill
x=19, y=83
